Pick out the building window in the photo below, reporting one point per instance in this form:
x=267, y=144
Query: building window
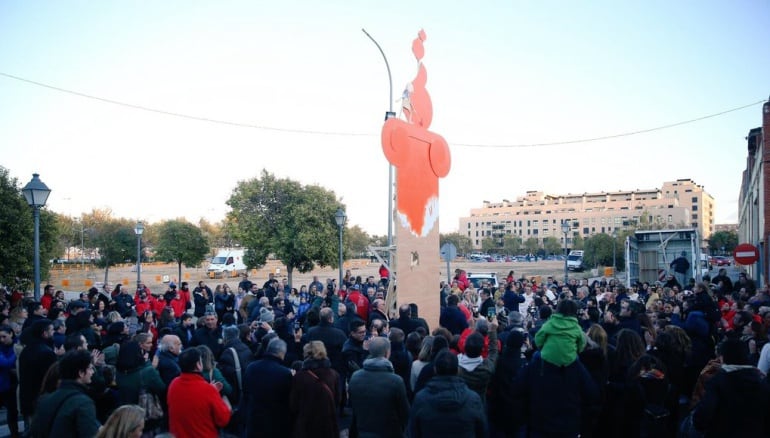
x=695, y=216
x=670, y=219
x=694, y=208
x=694, y=199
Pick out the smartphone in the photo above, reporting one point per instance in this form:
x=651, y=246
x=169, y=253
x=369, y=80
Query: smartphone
x=491, y=313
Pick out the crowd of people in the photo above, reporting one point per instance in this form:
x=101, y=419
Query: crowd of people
x=527, y=358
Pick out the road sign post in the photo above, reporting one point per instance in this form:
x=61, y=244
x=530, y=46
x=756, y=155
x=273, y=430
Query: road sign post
x=746, y=254
x=448, y=253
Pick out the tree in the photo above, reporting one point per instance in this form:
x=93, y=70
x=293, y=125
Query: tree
x=17, y=235
x=512, y=244
x=489, y=244
x=552, y=245
x=723, y=242
x=181, y=242
x=282, y=217
x=531, y=245
x=356, y=241
x=116, y=242
x=577, y=241
x=463, y=243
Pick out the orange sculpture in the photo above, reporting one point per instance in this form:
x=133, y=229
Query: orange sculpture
x=420, y=156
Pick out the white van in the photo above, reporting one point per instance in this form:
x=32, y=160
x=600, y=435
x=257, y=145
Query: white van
x=575, y=261
x=227, y=263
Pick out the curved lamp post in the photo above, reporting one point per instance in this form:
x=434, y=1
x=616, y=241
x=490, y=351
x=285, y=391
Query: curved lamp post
x=565, y=230
x=138, y=230
x=36, y=193
x=390, y=113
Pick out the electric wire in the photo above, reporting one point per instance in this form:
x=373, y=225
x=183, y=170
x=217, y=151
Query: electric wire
x=361, y=134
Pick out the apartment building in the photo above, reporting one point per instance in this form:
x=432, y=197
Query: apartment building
x=754, y=198
x=539, y=215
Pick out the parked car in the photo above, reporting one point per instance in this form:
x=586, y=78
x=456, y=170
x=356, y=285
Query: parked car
x=720, y=261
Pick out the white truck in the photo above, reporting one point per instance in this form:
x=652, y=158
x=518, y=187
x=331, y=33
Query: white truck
x=575, y=261
x=227, y=263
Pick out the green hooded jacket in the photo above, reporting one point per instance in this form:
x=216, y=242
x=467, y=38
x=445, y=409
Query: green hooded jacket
x=560, y=339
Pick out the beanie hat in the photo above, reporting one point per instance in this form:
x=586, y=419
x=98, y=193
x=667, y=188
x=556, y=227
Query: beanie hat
x=515, y=319
x=265, y=315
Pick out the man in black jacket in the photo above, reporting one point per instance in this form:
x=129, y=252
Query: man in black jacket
x=378, y=396
x=236, y=357
x=446, y=407
x=34, y=361
x=210, y=334
x=266, y=389
x=68, y=411
x=737, y=398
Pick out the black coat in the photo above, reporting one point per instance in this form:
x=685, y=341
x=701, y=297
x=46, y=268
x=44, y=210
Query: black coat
x=333, y=339
x=265, y=400
x=34, y=361
x=69, y=411
x=227, y=364
x=736, y=403
x=168, y=367
x=446, y=407
x=379, y=401
x=569, y=391
x=210, y=338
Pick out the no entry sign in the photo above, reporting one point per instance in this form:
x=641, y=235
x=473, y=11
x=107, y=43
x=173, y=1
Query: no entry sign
x=746, y=254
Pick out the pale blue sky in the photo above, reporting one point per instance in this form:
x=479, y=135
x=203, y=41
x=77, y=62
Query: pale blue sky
x=499, y=73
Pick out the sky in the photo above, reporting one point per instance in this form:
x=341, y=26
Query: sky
x=297, y=89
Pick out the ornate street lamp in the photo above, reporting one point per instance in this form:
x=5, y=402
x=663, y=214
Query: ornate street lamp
x=36, y=193
x=138, y=230
x=340, y=218
x=565, y=229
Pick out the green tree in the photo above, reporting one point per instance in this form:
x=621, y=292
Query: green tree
x=531, y=245
x=489, y=244
x=116, y=242
x=512, y=244
x=17, y=236
x=181, y=242
x=356, y=241
x=577, y=241
x=552, y=245
x=723, y=241
x=282, y=217
x=463, y=243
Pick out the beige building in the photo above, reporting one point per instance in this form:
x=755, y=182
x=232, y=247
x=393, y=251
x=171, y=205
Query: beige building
x=677, y=204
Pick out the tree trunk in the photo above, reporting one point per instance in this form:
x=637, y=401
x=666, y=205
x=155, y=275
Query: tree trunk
x=179, y=278
x=106, y=273
x=289, y=273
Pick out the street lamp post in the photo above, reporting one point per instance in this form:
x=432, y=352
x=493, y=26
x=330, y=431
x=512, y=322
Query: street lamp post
x=390, y=113
x=614, y=241
x=565, y=230
x=36, y=193
x=340, y=218
x=138, y=230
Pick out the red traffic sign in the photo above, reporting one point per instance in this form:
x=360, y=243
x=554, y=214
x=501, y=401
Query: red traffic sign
x=746, y=254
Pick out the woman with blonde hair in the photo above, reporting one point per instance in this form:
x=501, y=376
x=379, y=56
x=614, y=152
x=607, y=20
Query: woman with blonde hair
x=125, y=422
x=423, y=359
x=211, y=373
x=315, y=395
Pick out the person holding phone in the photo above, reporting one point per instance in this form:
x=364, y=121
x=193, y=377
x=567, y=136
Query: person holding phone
x=487, y=303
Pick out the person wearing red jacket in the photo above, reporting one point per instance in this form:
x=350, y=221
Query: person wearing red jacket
x=144, y=302
x=482, y=326
x=195, y=408
x=462, y=279
x=184, y=294
x=47, y=297
x=361, y=301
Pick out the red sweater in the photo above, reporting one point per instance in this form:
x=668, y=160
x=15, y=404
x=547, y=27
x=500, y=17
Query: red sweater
x=195, y=408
